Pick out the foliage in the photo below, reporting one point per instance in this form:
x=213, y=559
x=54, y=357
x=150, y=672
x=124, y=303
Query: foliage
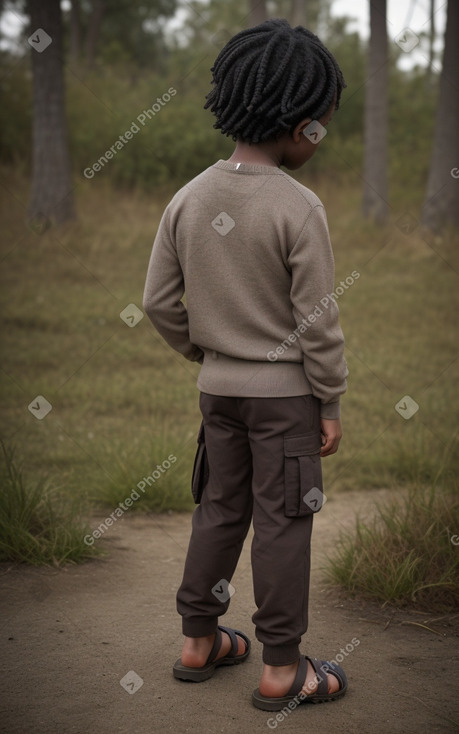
x=16, y=110
x=139, y=58
x=179, y=140
x=36, y=527
x=407, y=554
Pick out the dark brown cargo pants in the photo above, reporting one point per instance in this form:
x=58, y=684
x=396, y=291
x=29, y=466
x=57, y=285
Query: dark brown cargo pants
x=257, y=457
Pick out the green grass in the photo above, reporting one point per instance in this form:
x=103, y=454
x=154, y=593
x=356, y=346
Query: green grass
x=122, y=400
x=35, y=526
x=162, y=484
x=406, y=555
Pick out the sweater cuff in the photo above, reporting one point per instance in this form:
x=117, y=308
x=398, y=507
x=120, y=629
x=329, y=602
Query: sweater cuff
x=330, y=411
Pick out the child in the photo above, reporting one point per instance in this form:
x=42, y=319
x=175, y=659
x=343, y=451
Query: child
x=250, y=247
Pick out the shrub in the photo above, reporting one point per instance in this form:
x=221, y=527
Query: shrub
x=36, y=526
x=406, y=555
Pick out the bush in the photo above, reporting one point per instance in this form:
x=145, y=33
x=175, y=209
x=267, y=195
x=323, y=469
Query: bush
x=35, y=526
x=16, y=110
x=406, y=555
x=178, y=142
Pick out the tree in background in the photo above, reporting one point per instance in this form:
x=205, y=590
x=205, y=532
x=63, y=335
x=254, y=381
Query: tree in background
x=375, y=190
x=93, y=34
x=75, y=32
x=138, y=55
x=432, y=35
x=257, y=12
x=312, y=14
x=441, y=204
x=120, y=31
x=298, y=13
x=52, y=192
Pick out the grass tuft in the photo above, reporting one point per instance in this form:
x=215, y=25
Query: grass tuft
x=406, y=555
x=36, y=526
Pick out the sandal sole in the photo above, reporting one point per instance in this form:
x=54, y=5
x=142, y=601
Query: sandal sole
x=276, y=704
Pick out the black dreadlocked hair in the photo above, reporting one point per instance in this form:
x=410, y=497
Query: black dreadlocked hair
x=268, y=78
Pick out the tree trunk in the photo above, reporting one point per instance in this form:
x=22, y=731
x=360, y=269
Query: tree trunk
x=431, y=39
x=52, y=191
x=257, y=12
x=375, y=189
x=441, y=203
x=75, y=33
x=95, y=24
x=298, y=13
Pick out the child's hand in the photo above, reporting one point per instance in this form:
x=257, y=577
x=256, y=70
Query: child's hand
x=331, y=435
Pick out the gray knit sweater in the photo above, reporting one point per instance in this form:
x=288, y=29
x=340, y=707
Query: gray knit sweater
x=249, y=247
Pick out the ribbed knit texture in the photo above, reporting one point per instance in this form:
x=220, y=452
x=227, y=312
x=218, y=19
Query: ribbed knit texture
x=250, y=247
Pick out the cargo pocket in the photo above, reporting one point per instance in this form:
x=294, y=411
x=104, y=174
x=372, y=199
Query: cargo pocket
x=303, y=474
x=200, y=475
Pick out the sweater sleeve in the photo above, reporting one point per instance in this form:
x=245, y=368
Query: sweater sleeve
x=316, y=312
x=163, y=292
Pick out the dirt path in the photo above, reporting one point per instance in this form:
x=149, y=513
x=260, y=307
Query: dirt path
x=69, y=636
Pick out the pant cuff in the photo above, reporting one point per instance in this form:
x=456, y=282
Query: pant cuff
x=199, y=627
x=284, y=655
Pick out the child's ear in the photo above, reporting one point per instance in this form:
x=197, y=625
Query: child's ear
x=299, y=129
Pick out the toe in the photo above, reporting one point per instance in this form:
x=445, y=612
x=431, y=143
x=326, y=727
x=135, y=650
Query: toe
x=333, y=683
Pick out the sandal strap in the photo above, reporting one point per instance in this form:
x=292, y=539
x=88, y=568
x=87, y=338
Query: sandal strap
x=234, y=643
x=321, y=668
x=232, y=634
x=216, y=646
x=337, y=671
x=300, y=677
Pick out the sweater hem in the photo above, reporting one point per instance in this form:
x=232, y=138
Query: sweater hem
x=240, y=378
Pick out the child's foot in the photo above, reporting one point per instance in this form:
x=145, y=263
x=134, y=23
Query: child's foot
x=277, y=680
x=196, y=650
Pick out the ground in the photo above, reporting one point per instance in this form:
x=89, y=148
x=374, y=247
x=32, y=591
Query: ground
x=69, y=636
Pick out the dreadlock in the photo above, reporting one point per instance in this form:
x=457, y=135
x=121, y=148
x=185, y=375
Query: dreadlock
x=268, y=78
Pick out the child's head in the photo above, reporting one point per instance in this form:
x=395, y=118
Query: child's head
x=269, y=78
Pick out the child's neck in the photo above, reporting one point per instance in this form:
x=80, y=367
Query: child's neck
x=261, y=154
